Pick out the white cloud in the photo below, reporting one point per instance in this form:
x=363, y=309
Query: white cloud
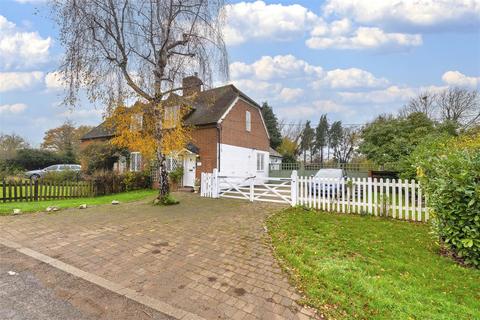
x=315, y=108
x=54, y=81
x=456, y=78
x=361, y=38
x=289, y=69
x=258, y=88
x=18, y=80
x=19, y=48
x=258, y=20
x=408, y=14
x=84, y=114
x=31, y=1
x=280, y=66
x=388, y=95
x=392, y=94
x=13, y=108
x=291, y=94
x=350, y=78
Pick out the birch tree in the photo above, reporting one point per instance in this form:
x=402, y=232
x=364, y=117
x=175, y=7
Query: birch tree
x=129, y=50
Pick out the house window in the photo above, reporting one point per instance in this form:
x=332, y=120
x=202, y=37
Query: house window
x=171, y=116
x=248, y=121
x=135, y=161
x=171, y=164
x=260, y=162
x=137, y=122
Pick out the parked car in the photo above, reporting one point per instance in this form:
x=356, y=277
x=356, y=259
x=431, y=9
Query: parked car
x=35, y=174
x=327, y=180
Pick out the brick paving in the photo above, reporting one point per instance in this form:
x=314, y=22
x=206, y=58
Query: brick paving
x=206, y=256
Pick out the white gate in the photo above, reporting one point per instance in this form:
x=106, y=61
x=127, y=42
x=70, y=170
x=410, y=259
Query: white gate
x=399, y=199
x=252, y=188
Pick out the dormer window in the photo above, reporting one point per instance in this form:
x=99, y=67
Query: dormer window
x=171, y=116
x=248, y=121
x=136, y=123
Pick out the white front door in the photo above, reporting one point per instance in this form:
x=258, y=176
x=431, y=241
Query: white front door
x=189, y=165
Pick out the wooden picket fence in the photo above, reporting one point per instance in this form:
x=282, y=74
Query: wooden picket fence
x=399, y=199
x=39, y=190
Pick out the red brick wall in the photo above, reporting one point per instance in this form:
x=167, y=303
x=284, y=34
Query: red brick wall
x=234, y=131
x=206, y=140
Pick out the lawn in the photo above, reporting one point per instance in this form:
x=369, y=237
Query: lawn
x=359, y=267
x=7, y=208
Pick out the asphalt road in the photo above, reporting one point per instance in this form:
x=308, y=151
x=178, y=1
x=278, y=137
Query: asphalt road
x=30, y=289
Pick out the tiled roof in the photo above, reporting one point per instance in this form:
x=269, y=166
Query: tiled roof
x=208, y=107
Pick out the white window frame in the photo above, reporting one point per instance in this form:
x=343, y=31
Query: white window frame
x=135, y=161
x=260, y=162
x=248, y=121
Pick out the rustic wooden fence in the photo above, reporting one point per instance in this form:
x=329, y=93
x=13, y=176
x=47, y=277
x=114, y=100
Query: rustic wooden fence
x=38, y=190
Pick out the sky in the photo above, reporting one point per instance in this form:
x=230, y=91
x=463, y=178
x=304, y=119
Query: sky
x=350, y=59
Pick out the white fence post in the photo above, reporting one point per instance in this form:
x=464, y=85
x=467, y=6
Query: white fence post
x=252, y=185
x=293, y=188
x=215, y=184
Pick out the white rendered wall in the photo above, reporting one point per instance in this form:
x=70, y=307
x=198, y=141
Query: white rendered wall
x=239, y=161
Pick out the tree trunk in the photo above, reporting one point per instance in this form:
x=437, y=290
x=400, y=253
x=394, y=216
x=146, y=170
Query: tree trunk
x=163, y=186
x=321, y=154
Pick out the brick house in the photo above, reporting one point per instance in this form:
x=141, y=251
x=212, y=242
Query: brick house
x=229, y=134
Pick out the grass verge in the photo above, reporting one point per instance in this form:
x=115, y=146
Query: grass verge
x=354, y=267
x=7, y=208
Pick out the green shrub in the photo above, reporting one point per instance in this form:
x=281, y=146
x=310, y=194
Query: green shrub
x=31, y=159
x=108, y=181
x=136, y=180
x=168, y=200
x=100, y=156
x=176, y=175
x=61, y=176
x=449, y=171
x=8, y=170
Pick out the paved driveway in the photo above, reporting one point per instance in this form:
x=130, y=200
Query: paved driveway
x=206, y=256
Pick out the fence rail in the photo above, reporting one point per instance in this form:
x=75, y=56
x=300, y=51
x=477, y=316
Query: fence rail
x=399, y=199
x=39, y=190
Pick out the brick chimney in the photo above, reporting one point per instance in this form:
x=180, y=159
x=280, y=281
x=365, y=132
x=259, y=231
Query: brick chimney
x=191, y=85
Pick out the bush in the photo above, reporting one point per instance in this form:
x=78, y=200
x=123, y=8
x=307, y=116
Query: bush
x=168, y=200
x=31, y=159
x=176, y=175
x=108, y=182
x=100, y=156
x=449, y=171
x=62, y=176
x=137, y=180
x=8, y=170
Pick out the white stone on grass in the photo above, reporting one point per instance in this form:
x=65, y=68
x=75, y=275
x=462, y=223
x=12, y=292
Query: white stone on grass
x=83, y=206
x=115, y=202
x=17, y=211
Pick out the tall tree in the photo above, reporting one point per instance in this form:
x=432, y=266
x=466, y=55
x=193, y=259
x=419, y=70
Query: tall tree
x=459, y=106
x=140, y=49
x=65, y=139
x=335, y=135
x=321, y=134
x=387, y=140
x=425, y=102
x=347, y=145
x=308, y=136
x=272, y=125
x=10, y=144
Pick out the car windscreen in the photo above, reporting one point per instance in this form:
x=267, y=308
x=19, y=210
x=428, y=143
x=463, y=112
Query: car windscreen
x=329, y=174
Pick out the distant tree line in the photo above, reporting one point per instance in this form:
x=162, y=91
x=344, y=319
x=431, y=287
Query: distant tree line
x=60, y=145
